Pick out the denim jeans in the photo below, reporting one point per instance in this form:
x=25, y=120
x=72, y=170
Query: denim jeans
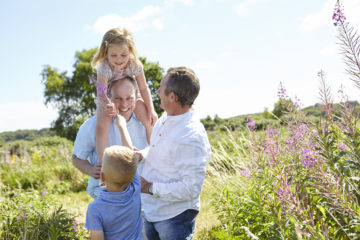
x=180, y=227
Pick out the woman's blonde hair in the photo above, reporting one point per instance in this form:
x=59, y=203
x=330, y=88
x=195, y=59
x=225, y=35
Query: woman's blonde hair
x=120, y=36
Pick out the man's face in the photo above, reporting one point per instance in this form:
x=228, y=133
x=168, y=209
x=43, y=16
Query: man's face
x=124, y=98
x=164, y=99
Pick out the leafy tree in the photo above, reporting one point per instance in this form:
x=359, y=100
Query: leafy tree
x=282, y=106
x=153, y=73
x=74, y=96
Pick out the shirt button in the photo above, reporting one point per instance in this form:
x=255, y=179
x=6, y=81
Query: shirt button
x=160, y=134
x=153, y=145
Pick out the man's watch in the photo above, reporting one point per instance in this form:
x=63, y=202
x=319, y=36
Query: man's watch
x=151, y=189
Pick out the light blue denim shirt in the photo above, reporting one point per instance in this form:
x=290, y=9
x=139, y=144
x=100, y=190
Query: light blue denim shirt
x=85, y=144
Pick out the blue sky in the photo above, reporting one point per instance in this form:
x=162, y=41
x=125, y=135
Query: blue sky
x=241, y=50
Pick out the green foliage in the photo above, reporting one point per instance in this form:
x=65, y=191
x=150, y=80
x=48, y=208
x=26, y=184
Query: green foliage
x=29, y=215
x=28, y=135
x=298, y=182
x=44, y=163
x=281, y=107
x=74, y=96
x=153, y=73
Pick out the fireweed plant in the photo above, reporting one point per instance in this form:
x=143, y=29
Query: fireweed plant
x=302, y=180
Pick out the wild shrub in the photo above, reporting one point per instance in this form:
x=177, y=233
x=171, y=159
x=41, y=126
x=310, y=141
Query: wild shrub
x=31, y=215
x=300, y=181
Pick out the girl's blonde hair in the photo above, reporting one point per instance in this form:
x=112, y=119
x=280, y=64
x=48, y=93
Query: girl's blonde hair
x=120, y=36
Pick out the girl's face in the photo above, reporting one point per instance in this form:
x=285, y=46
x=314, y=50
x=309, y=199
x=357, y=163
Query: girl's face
x=118, y=56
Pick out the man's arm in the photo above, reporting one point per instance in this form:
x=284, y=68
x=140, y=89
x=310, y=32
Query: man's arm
x=85, y=167
x=191, y=160
x=96, y=235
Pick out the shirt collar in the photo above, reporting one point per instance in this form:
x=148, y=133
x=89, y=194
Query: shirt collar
x=177, y=118
x=116, y=197
x=132, y=118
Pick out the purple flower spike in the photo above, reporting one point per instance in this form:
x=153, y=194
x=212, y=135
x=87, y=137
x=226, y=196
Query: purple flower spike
x=250, y=124
x=282, y=92
x=245, y=173
x=321, y=74
x=341, y=147
x=76, y=227
x=283, y=193
x=309, y=158
x=338, y=16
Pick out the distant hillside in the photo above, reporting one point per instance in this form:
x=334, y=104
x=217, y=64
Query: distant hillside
x=266, y=119
x=27, y=135
x=314, y=110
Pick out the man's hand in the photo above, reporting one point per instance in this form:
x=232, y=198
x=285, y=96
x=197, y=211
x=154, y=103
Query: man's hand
x=153, y=117
x=95, y=171
x=145, y=185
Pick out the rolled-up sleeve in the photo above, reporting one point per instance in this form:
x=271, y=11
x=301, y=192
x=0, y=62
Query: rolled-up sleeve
x=84, y=143
x=191, y=160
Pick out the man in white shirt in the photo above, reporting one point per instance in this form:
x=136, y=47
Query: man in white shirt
x=124, y=92
x=175, y=161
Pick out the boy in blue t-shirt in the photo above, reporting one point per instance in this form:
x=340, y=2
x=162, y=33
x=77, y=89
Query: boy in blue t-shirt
x=116, y=214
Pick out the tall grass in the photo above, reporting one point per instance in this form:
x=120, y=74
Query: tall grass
x=43, y=164
x=300, y=181
x=29, y=172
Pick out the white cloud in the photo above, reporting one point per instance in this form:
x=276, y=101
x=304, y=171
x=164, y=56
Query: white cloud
x=322, y=17
x=185, y=2
x=245, y=8
x=135, y=22
x=87, y=27
x=205, y=65
x=158, y=24
x=330, y=50
x=26, y=115
x=226, y=54
x=242, y=10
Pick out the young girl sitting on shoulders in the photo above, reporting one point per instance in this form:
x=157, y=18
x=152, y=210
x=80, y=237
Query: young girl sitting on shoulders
x=116, y=58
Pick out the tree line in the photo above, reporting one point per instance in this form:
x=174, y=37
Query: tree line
x=74, y=95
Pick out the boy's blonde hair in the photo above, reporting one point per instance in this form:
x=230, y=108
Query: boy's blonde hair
x=120, y=36
x=119, y=165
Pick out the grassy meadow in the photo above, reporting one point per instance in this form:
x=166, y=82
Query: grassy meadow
x=297, y=181
x=287, y=174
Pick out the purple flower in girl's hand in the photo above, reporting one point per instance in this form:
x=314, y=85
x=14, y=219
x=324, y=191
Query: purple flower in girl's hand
x=102, y=92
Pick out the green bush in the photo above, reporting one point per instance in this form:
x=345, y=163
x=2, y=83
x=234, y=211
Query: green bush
x=29, y=215
x=44, y=163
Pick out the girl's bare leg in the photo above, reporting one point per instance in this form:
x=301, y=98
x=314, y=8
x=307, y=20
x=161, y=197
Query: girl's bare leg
x=143, y=116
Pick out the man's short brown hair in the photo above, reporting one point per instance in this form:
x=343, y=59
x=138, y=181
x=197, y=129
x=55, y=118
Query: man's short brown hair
x=183, y=82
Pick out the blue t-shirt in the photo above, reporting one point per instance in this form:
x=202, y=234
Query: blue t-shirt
x=117, y=214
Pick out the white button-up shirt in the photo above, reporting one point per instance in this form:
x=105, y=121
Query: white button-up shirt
x=85, y=144
x=175, y=163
